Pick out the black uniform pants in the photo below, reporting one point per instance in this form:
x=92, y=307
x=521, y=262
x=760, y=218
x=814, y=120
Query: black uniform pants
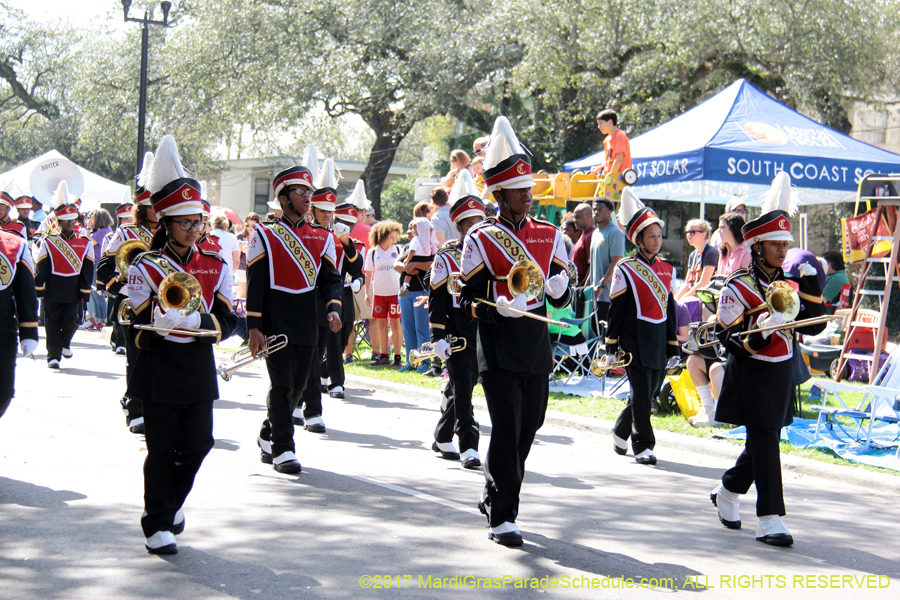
x=517, y=403
x=334, y=356
x=179, y=436
x=634, y=420
x=759, y=463
x=61, y=322
x=457, y=414
x=312, y=395
x=8, y=350
x=288, y=373
x=117, y=339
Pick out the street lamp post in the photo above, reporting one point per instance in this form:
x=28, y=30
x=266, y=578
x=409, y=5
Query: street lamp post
x=142, y=106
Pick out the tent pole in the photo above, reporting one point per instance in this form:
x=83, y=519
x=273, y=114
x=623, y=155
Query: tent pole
x=702, y=199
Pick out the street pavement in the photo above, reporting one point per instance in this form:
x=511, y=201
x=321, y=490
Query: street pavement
x=375, y=508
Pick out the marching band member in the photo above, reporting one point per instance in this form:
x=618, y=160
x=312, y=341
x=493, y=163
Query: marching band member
x=18, y=311
x=178, y=425
x=345, y=213
x=286, y=261
x=446, y=318
x=514, y=356
x=7, y=203
x=142, y=225
x=65, y=272
x=642, y=323
x=759, y=378
x=23, y=207
x=206, y=241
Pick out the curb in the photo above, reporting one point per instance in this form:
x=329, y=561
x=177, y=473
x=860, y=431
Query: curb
x=881, y=482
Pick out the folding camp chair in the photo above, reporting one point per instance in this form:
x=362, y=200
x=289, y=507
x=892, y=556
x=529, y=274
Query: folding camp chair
x=573, y=359
x=361, y=335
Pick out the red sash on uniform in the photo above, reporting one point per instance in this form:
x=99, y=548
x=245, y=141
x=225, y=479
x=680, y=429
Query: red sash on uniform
x=137, y=232
x=67, y=256
x=295, y=255
x=651, y=286
x=11, y=248
x=779, y=346
x=14, y=227
x=210, y=243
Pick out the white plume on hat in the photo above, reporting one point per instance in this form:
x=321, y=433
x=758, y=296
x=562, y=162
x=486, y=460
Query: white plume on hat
x=628, y=207
x=166, y=166
x=781, y=196
x=329, y=176
x=274, y=204
x=311, y=161
x=504, y=143
x=145, y=169
x=358, y=197
x=203, y=187
x=61, y=195
x=463, y=186
x=126, y=197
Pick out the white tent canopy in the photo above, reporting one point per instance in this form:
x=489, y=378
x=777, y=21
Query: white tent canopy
x=97, y=190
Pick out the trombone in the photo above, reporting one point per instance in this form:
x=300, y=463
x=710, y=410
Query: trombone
x=179, y=291
x=417, y=357
x=599, y=366
x=782, y=298
x=244, y=357
x=525, y=277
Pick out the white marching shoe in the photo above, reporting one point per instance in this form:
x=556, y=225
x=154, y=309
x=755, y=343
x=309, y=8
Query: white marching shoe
x=161, y=542
x=67, y=353
x=506, y=534
x=297, y=417
x=315, y=425
x=470, y=459
x=178, y=522
x=447, y=450
x=728, y=505
x=772, y=530
x=286, y=462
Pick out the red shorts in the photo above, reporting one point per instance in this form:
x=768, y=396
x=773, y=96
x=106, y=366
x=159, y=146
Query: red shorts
x=385, y=307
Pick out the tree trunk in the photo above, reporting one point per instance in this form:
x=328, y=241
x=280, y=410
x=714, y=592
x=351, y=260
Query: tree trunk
x=388, y=136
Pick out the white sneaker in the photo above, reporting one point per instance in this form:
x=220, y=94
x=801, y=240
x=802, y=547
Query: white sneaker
x=645, y=458
x=506, y=534
x=286, y=462
x=67, y=353
x=470, y=459
x=315, y=425
x=161, y=542
x=729, y=506
x=53, y=364
x=772, y=530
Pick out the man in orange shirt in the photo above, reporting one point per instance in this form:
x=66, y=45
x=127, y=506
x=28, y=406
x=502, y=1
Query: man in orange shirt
x=616, y=147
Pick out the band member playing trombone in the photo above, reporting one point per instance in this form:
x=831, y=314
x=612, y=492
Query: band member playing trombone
x=18, y=310
x=286, y=262
x=642, y=323
x=513, y=351
x=446, y=319
x=63, y=278
x=759, y=377
x=176, y=371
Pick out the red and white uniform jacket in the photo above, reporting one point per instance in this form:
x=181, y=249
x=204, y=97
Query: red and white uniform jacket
x=519, y=345
x=107, y=274
x=286, y=262
x=16, y=227
x=64, y=269
x=445, y=317
x=18, y=301
x=641, y=316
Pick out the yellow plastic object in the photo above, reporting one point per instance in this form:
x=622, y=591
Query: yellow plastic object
x=686, y=395
x=543, y=185
x=611, y=187
x=583, y=186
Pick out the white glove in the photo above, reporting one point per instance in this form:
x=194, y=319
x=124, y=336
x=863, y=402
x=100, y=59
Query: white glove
x=192, y=321
x=774, y=319
x=519, y=303
x=356, y=285
x=169, y=320
x=442, y=349
x=28, y=347
x=340, y=229
x=806, y=270
x=557, y=285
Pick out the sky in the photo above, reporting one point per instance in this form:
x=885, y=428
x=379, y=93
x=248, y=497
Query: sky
x=82, y=11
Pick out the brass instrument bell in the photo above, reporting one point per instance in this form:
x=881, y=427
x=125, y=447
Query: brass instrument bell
x=600, y=366
x=124, y=314
x=244, y=357
x=426, y=351
x=125, y=255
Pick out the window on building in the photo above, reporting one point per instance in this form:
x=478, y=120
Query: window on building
x=875, y=126
x=261, y=196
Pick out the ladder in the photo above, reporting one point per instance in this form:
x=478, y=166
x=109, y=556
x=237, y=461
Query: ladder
x=887, y=208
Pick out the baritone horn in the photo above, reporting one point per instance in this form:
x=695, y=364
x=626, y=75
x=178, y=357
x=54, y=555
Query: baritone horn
x=244, y=357
x=125, y=255
x=601, y=365
x=426, y=351
x=124, y=314
x=781, y=297
x=179, y=291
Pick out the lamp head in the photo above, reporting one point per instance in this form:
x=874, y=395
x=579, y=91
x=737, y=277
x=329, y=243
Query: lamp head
x=126, y=4
x=166, y=6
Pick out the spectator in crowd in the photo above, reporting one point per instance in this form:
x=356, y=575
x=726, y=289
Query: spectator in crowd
x=231, y=249
x=240, y=275
x=477, y=165
x=459, y=160
x=733, y=251
x=571, y=232
x=581, y=253
x=702, y=261
x=490, y=209
x=443, y=225
x=479, y=144
x=422, y=243
x=734, y=205
x=413, y=265
x=370, y=217
x=382, y=287
x=616, y=148
x=424, y=210
x=835, y=279
x=100, y=225
x=607, y=249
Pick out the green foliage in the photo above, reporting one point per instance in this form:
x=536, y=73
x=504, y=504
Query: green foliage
x=397, y=201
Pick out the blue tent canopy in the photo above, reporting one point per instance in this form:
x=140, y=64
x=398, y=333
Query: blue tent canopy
x=736, y=142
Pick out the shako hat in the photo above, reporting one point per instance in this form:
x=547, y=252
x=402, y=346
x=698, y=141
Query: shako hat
x=358, y=197
x=325, y=196
x=64, y=207
x=507, y=164
x=125, y=208
x=142, y=194
x=774, y=224
x=173, y=193
x=634, y=216
x=464, y=200
x=345, y=212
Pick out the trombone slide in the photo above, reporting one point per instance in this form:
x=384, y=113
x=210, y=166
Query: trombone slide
x=791, y=325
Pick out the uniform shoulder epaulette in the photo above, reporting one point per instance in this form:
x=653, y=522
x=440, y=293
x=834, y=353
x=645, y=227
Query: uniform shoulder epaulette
x=210, y=253
x=150, y=255
x=449, y=244
x=316, y=225
x=740, y=274
x=448, y=248
x=486, y=223
x=543, y=222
